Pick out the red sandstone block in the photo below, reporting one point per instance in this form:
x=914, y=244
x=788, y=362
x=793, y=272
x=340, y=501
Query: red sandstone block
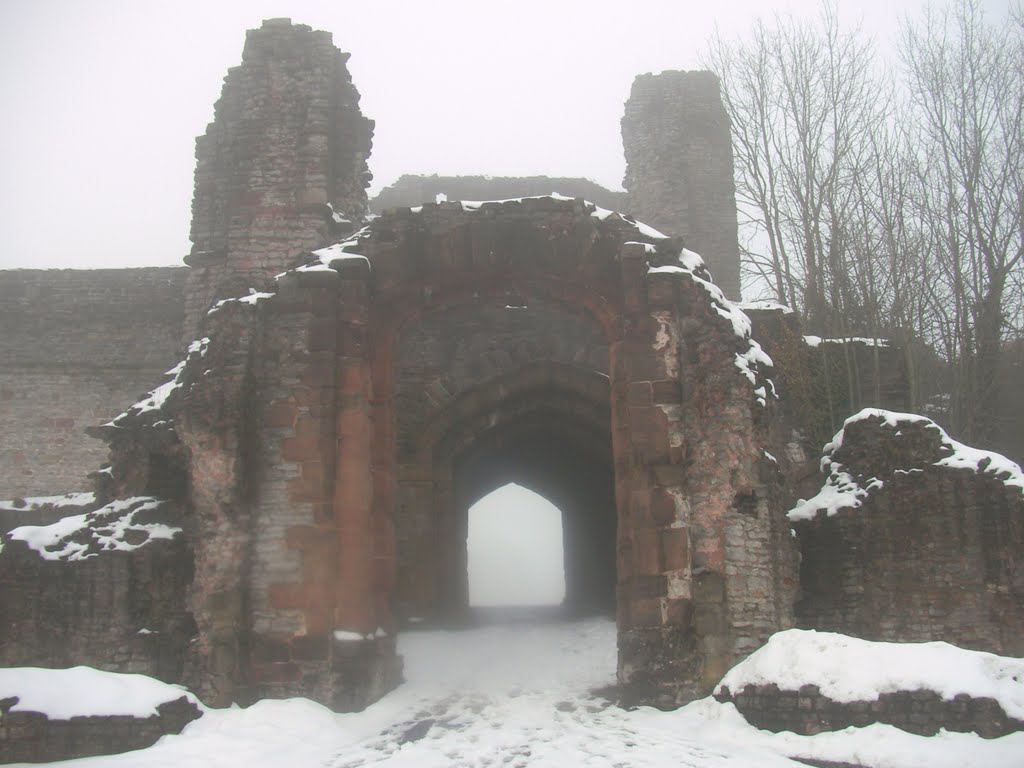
x=281, y=414
x=645, y=612
x=640, y=393
x=354, y=611
x=675, y=548
x=663, y=507
x=308, y=537
x=352, y=378
x=708, y=552
x=679, y=612
x=319, y=370
x=667, y=391
x=285, y=596
x=647, y=551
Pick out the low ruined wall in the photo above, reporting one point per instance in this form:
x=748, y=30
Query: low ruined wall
x=930, y=552
x=807, y=712
x=78, y=346
x=31, y=737
x=120, y=611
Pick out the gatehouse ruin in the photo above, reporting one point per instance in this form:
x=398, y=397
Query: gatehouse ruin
x=297, y=490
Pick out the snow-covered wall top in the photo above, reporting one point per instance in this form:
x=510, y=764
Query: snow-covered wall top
x=857, y=467
x=62, y=694
x=120, y=526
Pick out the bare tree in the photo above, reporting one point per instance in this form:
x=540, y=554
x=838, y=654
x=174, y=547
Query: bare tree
x=965, y=79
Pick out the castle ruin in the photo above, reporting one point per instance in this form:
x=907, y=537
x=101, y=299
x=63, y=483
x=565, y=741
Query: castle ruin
x=298, y=489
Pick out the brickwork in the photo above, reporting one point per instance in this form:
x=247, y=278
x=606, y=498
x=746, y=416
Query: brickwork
x=807, y=712
x=77, y=346
x=282, y=167
x=675, y=134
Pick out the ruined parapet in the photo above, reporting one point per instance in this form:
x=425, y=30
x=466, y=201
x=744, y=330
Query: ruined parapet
x=412, y=190
x=913, y=537
x=679, y=172
x=282, y=167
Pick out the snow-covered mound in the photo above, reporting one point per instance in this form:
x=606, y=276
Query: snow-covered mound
x=62, y=694
x=848, y=669
x=900, y=444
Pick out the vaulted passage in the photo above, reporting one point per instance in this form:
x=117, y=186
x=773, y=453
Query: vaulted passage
x=568, y=464
x=544, y=427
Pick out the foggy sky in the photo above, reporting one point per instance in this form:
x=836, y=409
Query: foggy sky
x=103, y=99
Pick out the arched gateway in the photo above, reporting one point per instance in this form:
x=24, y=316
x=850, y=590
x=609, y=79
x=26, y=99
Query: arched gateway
x=335, y=428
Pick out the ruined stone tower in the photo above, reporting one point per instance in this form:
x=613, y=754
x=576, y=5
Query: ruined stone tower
x=282, y=167
x=675, y=133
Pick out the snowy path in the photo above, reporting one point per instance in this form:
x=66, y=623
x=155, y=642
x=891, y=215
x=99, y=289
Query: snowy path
x=521, y=695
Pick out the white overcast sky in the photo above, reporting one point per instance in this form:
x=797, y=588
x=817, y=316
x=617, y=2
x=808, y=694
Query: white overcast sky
x=102, y=99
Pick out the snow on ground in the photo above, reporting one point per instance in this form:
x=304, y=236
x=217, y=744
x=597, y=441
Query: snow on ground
x=521, y=695
x=61, y=694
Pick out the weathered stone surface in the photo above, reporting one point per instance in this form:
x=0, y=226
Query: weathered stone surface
x=675, y=133
x=325, y=439
x=931, y=553
x=282, y=167
x=76, y=347
x=31, y=737
x=121, y=611
x=808, y=712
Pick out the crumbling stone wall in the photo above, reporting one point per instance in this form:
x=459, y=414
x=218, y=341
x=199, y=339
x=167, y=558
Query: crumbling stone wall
x=679, y=172
x=808, y=711
x=282, y=167
x=121, y=611
x=932, y=552
x=77, y=346
x=411, y=190
x=31, y=737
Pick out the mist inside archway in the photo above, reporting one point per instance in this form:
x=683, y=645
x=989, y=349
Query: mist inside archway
x=515, y=551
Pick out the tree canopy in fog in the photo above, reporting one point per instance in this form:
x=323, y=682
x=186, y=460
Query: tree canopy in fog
x=884, y=198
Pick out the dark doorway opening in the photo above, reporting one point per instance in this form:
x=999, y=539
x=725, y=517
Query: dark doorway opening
x=567, y=462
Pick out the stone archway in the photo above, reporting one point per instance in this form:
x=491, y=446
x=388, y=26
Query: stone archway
x=366, y=406
x=545, y=426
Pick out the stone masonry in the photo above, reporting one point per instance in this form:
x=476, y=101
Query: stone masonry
x=410, y=190
x=282, y=167
x=931, y=552
x=302, y=479
x=76, y=347
x=675, y=133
